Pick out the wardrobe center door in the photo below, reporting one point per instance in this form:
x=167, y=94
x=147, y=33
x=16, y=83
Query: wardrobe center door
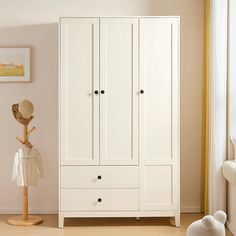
x=118, y=88
x=79, y=111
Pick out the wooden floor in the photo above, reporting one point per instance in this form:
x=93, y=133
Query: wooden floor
x=100, y=227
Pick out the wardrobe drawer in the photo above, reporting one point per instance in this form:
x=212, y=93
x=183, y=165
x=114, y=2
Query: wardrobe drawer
x=99, y=199
x=99, y=177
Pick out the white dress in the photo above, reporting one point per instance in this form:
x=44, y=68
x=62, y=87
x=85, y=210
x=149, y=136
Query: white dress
x=27, y=167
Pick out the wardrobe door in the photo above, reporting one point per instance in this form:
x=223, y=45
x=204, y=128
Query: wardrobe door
x=159, y=113
x=119, y=87
x=79, y=109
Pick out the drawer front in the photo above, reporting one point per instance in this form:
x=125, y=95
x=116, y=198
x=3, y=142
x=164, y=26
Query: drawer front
x=99, y=177
x=99, y=200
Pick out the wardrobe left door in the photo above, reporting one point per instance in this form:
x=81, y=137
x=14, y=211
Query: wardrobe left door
x=79, y=91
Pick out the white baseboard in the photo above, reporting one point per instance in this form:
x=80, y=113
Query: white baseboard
x=55, y=211
x=192, y=209
x=231, y=227
x=31, y=211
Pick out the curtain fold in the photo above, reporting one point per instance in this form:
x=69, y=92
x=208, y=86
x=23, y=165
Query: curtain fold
x=215, y=105
x=205, y=119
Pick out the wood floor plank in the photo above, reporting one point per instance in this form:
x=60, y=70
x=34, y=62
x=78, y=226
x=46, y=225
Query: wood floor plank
x=100, y=227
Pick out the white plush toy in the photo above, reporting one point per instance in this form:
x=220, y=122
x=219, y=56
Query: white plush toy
x=209, y=225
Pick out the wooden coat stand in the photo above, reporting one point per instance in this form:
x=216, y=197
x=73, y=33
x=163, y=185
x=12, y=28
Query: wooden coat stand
x=25, y=219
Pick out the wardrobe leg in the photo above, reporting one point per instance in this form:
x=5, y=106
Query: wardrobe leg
x=175, y=220
x=60, y=220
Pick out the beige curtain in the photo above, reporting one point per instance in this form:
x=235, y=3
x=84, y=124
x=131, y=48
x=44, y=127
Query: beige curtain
x=215, y=106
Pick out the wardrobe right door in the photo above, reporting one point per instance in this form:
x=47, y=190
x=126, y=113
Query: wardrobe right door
x=159, y=119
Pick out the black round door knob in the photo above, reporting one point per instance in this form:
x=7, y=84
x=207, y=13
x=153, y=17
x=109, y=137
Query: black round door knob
x=96, y=91
x=141, y=91
x=99, y=200
x=99, y=177
x=102, y=91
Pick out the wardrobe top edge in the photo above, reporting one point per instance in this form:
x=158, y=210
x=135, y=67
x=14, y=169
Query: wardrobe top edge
x=74, y=17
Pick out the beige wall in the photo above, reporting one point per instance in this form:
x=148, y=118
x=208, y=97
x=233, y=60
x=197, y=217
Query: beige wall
x=231, y=193
x=34, y=23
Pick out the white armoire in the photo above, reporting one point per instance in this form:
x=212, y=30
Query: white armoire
x=119, y=145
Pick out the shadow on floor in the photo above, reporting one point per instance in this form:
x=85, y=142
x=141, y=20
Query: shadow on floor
x=96, y=222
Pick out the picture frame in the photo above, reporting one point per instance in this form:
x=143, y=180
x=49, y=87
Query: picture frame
x=15, y=64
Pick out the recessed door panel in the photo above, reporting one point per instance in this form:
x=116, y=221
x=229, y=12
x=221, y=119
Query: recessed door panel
x=119, y=80
x=156, y=81
x=158, y=192
x=79, y=78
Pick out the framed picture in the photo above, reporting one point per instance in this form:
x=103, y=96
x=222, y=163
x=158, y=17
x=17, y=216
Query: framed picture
x=15, y=64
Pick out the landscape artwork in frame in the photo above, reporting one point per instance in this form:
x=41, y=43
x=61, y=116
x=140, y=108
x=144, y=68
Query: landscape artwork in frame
x=15, y=64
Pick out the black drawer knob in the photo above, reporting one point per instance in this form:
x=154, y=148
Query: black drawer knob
x=99, y=200
x=102, y=91
x=96, y=91
x=99, y=177
x=141, y=91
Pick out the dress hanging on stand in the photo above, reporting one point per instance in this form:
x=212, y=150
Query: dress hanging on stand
x=27, y=167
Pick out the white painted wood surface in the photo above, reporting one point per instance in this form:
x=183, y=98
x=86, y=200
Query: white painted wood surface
x=79, y=109
x=110, y=199
x=157, y=189
x=159, y=114
x=119, y=80
x=99, y=177
x=133, y=136
x=155, y=80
